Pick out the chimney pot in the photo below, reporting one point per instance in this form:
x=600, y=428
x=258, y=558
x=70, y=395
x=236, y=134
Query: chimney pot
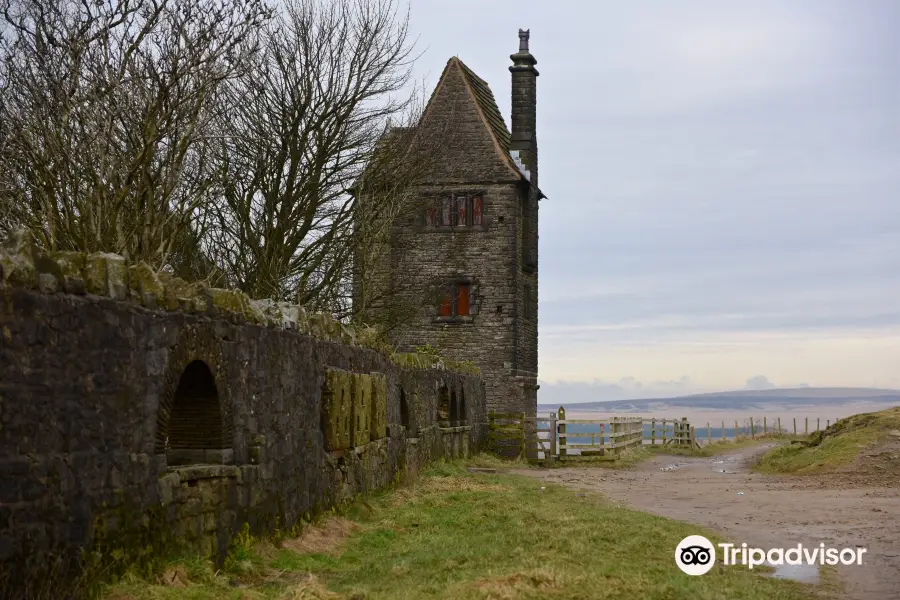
x=523, y=134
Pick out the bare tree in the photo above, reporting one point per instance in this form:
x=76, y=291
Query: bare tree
x=108, y=109
x=306, y=127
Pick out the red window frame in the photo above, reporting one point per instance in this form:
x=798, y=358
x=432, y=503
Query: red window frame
x=456, y=211
x=462, y=211
x=447, y=212
x=477, y=208
x=462, y=299
x=446, y=308
x=456, y=300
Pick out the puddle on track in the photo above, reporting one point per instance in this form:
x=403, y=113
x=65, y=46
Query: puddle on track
x=801, y=573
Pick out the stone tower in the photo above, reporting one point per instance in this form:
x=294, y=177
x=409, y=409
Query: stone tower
x=468, y=256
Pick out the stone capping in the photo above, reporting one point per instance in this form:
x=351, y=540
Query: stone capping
x=456, y=429
x=195, y=472
x=25, y=265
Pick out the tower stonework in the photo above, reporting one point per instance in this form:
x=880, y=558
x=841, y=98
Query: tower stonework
x=468, y=257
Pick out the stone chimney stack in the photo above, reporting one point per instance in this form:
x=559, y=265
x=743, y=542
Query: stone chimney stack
x=524, y=105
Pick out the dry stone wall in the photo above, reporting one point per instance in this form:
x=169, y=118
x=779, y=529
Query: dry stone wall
x=97, y=359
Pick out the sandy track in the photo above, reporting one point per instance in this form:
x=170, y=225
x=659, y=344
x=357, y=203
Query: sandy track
x=773, y=511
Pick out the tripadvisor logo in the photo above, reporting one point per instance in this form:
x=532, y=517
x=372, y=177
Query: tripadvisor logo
x=695, y=555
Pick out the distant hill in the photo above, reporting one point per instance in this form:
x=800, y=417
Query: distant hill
x=748, y=399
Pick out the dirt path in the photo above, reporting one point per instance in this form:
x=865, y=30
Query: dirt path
x=772, y=512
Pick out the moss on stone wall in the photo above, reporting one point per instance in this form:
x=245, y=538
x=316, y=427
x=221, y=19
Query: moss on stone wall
x=24, y=264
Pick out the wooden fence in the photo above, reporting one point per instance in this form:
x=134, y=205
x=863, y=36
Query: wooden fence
x=514, y=434
x=753, y=427
x=556, y=437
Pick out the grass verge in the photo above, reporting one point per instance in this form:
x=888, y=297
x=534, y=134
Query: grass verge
x=837, y=446
x=455, y=534
x=718, y=447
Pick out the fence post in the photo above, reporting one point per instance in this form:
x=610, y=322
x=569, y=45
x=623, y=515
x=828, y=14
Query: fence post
x=552, y=435
x=664, y=432
x=805, y=425
x=817, y=424
x=708, y=434
x=795, y=425
x=752, y=432
x=723, y=431
x=561, y=413
x=652, y=432
x=779, y=426
x=523, y=450
x=765, y=426
x=491, y=431
x=827, y=423
x=737, y=431
x=686, y=431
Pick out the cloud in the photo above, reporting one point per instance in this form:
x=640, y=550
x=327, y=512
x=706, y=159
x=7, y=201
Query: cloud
x=627, y=388
x=722, y=183
x=759, y=382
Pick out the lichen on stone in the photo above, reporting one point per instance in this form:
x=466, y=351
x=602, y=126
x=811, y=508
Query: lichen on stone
x=144, y=281
x=184, y=295
x=236, y=302
x=71, y=266
x=95, y=274
x=17, y=260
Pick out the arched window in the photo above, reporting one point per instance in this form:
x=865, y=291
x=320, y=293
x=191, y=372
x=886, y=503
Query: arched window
x=194, y=431
x=443, y=407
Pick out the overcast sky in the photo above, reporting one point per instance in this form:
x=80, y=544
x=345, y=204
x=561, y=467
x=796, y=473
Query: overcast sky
x=723, y=182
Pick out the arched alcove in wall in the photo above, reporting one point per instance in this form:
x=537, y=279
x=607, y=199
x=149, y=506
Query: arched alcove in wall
x=192, y=428
x=443, y=406
x=454, y=408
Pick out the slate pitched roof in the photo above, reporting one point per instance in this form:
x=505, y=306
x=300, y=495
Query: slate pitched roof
x=488, y=106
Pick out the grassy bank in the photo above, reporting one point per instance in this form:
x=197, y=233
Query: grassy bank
x=717, y=447
x=455, y=534
x=837, y=446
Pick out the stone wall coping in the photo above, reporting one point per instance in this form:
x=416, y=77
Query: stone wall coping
x=24, y=264
x=195, y=472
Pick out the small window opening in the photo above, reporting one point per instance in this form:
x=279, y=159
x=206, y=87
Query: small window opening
x=454, y=409
x=456, y=211
x=443, y=407
x=456, y=300
x=529, y=301
x=404, y=412
x=195, y=432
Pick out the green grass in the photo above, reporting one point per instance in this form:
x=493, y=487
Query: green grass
x=633, y=456
x=838, y=446
x=454, y=534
